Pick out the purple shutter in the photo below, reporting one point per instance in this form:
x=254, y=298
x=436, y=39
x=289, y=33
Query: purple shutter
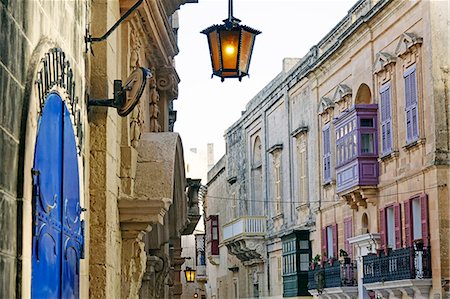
x=398, y=226
x=408, y=223
x=324, y=252
x=386, y=119
x=424, y=219
x=326, y=154
x=348, y=234
x=414, y=110
x=383, y=239
x=335, y=239
x=411, y=111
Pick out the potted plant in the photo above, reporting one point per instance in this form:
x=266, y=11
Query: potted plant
x=344, y=255
x=418, y=244
x=315, y=261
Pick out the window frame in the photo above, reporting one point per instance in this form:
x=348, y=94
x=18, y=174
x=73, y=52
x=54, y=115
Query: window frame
x=326, y=156
x=411, y=104
x=385, y=104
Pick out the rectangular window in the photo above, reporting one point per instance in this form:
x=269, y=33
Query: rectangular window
x=386, y=119
x=326, y=155
x=302, y=169
x=367, y=146
x=366, y=122
x=330, y=247
x=411, y=106
x=416, y=217
x=390, y=227
x=416, y=220
x=278, y=187
x=213, y=221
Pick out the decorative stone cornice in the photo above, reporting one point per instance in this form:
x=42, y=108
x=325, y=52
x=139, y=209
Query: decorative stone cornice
x=342, y=93
x=325, y=104
x=407, y=42
x=383, y=61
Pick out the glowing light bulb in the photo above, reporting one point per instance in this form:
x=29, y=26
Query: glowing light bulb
x=229, y=49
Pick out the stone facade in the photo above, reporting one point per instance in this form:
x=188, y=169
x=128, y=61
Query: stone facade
x=286, y=161
x=131, y=169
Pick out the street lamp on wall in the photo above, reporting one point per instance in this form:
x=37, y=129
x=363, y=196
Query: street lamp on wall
x=230, y=46
x=189, y=274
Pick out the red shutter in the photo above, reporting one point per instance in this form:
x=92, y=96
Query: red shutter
x=335, y=240
x=408, y=223
x=398, y=226
x=424, y=219
x=383, y=229
x=348, y=225
x=324, y=252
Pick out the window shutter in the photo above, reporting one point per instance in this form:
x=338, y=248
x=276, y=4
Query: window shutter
x=386, y=120
x=383, y=229
x=424, y=219
x=408, y=223
x=398, y=226
x=411, y=111
x=348, y=224
x=324, y=252
x=335, y=240
x=326, y=155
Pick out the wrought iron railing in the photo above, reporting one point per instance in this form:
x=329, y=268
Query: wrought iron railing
x=337, y=274
x=404, y=263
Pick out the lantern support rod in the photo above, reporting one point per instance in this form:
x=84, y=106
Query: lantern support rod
x=230, y=10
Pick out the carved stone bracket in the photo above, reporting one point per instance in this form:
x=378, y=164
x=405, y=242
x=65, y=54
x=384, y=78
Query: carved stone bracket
x=167, y=81
x=133, y=267
x=249, y=251
x=360, y=197
x=155, y=126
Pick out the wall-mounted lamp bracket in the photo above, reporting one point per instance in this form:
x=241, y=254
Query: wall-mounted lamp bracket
x=116, y=102
x=126, y=96
x=89, y=39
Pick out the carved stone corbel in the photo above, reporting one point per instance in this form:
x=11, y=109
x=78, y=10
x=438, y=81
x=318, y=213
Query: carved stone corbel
x=154, y=106
x=133, y=267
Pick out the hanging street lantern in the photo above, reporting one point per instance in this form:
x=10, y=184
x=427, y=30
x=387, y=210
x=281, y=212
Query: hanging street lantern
x=190, y=274
x=230, y=46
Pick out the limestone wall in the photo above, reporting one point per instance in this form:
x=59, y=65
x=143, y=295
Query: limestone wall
x=30, y=29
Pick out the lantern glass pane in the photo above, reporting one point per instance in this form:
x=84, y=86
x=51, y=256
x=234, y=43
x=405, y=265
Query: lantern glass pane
x=214, y=46
x=246, y=50
x=230, y=48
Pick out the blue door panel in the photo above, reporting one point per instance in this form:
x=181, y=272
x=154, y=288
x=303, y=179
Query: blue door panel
x=46, y=271
x=71, y=214
x=57, y=234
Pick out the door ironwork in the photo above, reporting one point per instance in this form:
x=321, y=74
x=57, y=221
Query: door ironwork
x=57, y=227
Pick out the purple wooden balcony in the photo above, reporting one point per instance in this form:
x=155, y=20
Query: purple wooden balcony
x=357, y=147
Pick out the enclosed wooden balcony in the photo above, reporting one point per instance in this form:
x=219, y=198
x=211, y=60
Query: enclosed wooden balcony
x=357, y=154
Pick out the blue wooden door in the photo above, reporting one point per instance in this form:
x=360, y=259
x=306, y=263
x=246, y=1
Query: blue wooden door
x=57, y=229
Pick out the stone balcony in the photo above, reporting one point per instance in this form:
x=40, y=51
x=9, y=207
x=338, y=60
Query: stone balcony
x=244, y=238
x=200, y=274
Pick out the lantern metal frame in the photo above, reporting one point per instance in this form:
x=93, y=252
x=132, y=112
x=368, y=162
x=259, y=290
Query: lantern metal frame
x=189, y=274
x=232, y=26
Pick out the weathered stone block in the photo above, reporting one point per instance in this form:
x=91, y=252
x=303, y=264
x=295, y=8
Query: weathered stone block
x=7, y=224
x=8, y=277
x=9, y=156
